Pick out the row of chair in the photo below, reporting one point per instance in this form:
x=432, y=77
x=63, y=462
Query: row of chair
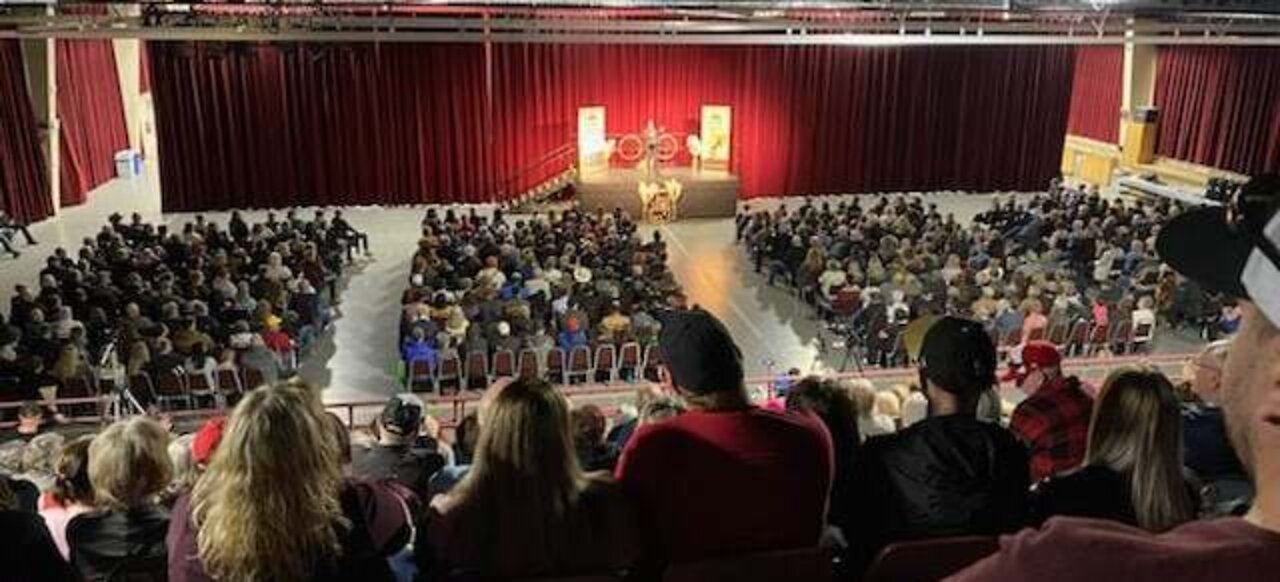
x=477, y=369
x=1081, y=337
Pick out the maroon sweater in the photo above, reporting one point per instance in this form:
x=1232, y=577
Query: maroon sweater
x=1069, y=549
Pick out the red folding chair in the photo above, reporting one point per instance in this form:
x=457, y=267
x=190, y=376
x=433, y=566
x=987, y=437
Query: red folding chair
x=504, y=364
x=528, y=364
x=555, y=367
x=477, y=371
x=605, y=365
x=579, y=364
x=629, y=361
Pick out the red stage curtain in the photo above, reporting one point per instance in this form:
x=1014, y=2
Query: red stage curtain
x=92, y=113
x=1220, y=106
x=1097, y=93
x=24, y=186
x=456, y=123
x=249, y=125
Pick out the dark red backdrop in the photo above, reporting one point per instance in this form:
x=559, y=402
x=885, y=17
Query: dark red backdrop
x=279, y=125
x=24, y=188
x=92, y=115
x=1097, y=93
x=1220, y=106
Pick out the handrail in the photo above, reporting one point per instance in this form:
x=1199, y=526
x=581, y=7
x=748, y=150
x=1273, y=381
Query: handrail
x=458, y=403
x=506, y=188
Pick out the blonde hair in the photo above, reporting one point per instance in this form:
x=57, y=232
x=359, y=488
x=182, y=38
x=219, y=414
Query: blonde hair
x=267, y=505
x=1136, y=431
x=887, y=403
x=864, y=395
x=129, y=463
x=42, y=453
x=524, y=482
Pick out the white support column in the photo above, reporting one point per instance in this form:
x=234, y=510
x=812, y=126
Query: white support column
x=1139, y=79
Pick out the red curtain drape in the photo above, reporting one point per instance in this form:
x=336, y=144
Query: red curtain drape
x=91, y=109
x=24, y=185
x=259, y=125
x=1097, y=93
x=1220, y=106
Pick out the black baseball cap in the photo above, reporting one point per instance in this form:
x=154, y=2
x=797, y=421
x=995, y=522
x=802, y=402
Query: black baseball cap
x=1232, y=249
x=958, y=356
x=699, y=353
x=402, y=414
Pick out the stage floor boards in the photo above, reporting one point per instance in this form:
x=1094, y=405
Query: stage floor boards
x=706, y=194
x=357, y=360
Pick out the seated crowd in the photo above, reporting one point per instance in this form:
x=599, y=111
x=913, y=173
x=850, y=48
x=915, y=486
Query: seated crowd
x=1078, y=486
x=489, y=285
x=138, y=298
x=1029, y=269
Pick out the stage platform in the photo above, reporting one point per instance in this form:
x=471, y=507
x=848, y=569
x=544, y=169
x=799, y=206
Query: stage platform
x=707, y=193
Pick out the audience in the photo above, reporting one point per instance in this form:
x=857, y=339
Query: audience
x=1053, y=421
x=128, y=468
x=725, y=476
x=1132, y=470
x=526, y=509
x=28, y=552
x=950, y=474
x=1207, y=449
x=571, y=279
x=72, y=492
x=1226, y=253
x=274, y=504
x=397, y=456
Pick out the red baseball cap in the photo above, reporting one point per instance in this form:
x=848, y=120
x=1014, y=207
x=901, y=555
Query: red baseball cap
x=207, y=439
x=1034, y=355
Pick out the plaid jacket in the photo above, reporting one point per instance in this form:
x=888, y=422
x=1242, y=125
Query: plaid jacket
x=1054, y=424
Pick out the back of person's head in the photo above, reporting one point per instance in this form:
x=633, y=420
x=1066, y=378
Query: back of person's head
x=698, y=354
x=659, y=409
x=863, y=394
x=1137, y=431
x=957, y=358
x=524, y=480
x=129, y=463
x=185, y=469
x=831, y=401
x=400, y=419
x=268, y=505
x=71, y=478
x=465, y=437
x=589, y=424
x=41, y=456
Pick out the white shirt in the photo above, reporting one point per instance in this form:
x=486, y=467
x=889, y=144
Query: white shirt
x=875, y=425
x=914, y=409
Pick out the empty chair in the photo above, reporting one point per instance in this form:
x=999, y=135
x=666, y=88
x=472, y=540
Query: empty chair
x=555, y=366
x=229, y=386
x=1121, y=336
x=1078, y=339
x=79, y=387
x=604, y=365
x=142, y=388
x=528, y=364
x=652, y=360
x=477, y=370
x=1143, y=335
x=579, y=364
x=801, y=565
x=450, y=372
x=421, y=373
x=170, y=387
x=504, y=364
x=629, y=361
x=198, y=388
x=928, y=560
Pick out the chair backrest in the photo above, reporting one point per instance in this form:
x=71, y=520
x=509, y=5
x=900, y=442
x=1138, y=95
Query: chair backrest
x=504, y=363
x=629, y=355
x=198, y=383
x=229, y=381
x=170, y=383
x=928, y=560
x=555, y=359
x=252, y=377
x=1079, y=332
x=77, y=387
x=450, y=364
x=1143, y=331
x=477, y=364
x=528, y=364
x=421, y=368
x=1122, y=330
x=605, y=357
x=580, y=359
x=802, y=565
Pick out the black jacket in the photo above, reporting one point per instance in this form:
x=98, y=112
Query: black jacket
x=103, y=541
x=1090, y=491
x=28, y=552
x=944, y=476
x=409, y=466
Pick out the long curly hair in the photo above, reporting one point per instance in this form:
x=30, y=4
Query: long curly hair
x=268, y=506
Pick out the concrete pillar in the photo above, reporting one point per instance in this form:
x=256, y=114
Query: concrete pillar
x=1139, y=78
x=41, y=56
